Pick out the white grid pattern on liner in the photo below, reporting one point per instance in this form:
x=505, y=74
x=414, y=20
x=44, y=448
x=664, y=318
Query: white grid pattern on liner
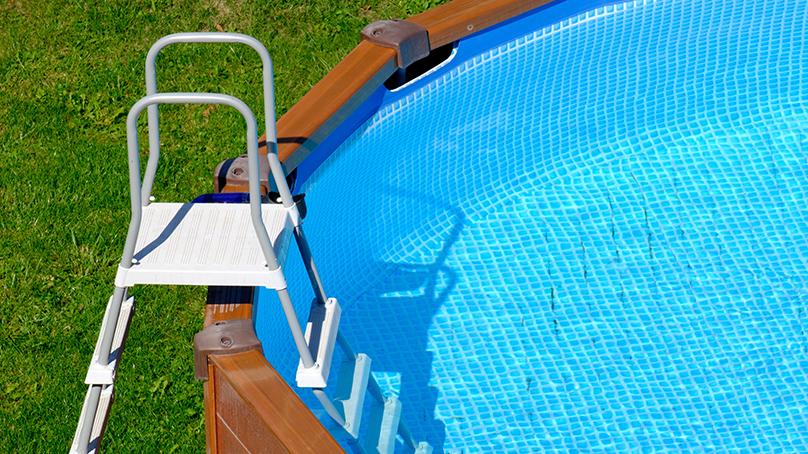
x=594, y=238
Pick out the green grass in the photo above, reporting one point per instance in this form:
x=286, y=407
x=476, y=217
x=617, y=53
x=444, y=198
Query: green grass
x=68, y=74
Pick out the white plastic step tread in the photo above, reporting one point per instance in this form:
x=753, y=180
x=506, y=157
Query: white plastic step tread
x=380, y=436
x=352, y=386
x=321, y=336
x=206, y=244
x=101, y=415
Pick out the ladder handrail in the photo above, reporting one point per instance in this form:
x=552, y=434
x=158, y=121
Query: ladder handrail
x=252, y=155
x=276, y=169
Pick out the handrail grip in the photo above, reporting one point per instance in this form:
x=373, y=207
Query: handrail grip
x=269, y=105
x=252, y=154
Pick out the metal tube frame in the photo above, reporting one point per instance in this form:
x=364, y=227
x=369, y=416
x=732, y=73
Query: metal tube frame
x=276, y=169
x=252, y=154
x=140, y=196
x=254, y=186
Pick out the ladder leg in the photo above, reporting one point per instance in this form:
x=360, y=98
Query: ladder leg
x=329, y=406
x=101, y=372
x=406, y=435
x=294, y=326
x=88, y=418
x=112, y=317
x=311, y=268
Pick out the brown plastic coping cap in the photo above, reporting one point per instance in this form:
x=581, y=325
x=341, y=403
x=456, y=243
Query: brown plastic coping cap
x=410, y=40
x=224, y=337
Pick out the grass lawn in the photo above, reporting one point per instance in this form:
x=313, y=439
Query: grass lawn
x=68, y=74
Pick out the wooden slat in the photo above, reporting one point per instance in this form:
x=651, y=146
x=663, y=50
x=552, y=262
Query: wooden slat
x=228, y=303
x=460, y=18
x=333, y=99
x=253, y=400
x=211, y=438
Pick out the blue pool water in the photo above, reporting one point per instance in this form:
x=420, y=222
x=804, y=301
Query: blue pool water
x=592, y=238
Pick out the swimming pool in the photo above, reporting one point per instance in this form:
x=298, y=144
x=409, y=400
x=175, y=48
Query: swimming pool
x=591, y=236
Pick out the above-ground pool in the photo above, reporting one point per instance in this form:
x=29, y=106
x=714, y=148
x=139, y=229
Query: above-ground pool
x=592, y=236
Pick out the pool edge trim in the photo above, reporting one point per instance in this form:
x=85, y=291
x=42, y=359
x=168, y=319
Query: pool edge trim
x=356, y=78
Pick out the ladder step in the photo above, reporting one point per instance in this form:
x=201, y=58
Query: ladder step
x=383, y=421
x=352, y=385
x=98, y=421
x=321, y=336
x=104, y=374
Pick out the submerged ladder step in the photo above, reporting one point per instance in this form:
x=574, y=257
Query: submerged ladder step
x=352, y=386
x=383, y=420
x=375, y=421
x=321, y=337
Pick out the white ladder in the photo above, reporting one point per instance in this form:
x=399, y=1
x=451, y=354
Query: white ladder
x=216, y=245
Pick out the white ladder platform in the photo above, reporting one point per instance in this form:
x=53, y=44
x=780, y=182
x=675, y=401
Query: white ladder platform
x=206, y=244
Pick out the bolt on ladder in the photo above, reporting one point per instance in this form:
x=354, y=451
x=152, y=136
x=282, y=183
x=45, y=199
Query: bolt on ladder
x=215, y=244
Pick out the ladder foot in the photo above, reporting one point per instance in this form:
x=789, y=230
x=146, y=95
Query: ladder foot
x=423, y=448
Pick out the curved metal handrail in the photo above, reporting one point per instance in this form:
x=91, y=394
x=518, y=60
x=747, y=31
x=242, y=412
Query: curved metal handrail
x=269, y=105
x=252, y=155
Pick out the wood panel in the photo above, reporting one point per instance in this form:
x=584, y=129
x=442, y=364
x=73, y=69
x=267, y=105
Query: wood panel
x=460, y=18
x=228, y=303
x=257, y=410
x=333, y=99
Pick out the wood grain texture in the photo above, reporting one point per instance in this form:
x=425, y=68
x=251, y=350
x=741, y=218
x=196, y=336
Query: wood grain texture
x=228, y=303
x=460, y=18
x=257, y=410
x=248, y=405
x=361, y=72
x=333, y=99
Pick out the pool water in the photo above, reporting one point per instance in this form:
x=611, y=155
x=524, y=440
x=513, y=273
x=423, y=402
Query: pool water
x=591, y=238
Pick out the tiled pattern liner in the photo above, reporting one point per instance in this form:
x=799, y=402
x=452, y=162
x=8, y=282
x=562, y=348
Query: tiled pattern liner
x=593, y=238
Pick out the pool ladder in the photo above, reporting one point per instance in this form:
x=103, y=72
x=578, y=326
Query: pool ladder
x=222, y=244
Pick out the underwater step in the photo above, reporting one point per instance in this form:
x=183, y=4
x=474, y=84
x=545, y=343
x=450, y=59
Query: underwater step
x=382, y=426
x=352, y=386
x=321, y=337
x=423, y=448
